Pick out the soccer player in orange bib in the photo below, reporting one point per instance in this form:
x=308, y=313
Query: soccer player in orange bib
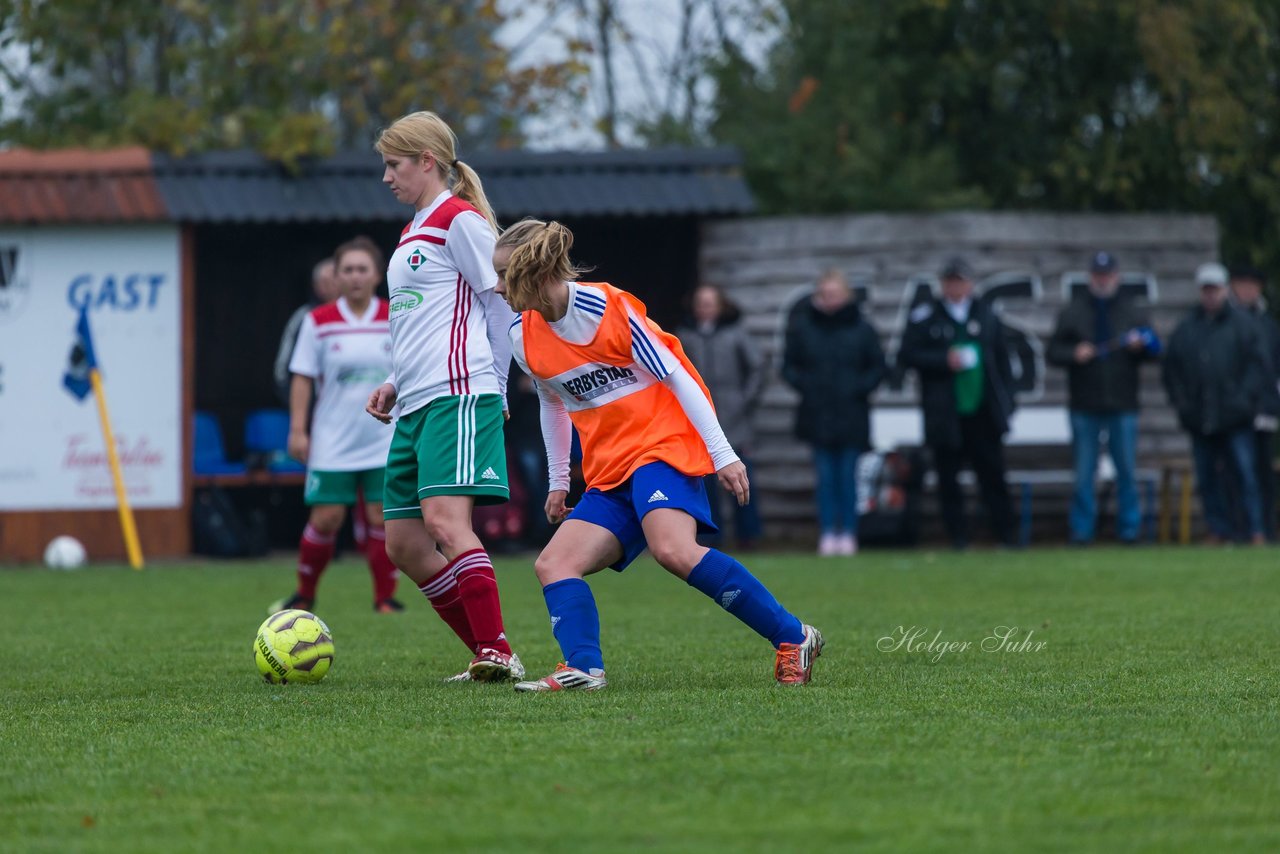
x=649, y=435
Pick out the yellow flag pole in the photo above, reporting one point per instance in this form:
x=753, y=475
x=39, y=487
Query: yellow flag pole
x=117, y=476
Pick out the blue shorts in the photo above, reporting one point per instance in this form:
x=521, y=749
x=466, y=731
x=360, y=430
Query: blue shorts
x=650, y=487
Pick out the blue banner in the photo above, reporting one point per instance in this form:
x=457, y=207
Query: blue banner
x=81, y=361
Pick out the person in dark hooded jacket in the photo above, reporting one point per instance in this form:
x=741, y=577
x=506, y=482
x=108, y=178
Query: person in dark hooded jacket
x=733, y=369
x=832, y=357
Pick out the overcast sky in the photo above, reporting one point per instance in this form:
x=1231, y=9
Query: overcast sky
x=639, y=66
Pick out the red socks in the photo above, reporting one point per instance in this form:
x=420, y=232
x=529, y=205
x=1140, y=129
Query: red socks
x=441, y=590
x=314, y=553
x=465, y=595
x=380, y=566
x=359, y=527
x=478, y=589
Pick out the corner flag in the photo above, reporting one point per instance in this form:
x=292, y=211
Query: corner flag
x=81, y=362
x=82, y=378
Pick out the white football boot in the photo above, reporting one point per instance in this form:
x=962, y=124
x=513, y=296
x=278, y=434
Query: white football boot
x=565, y=678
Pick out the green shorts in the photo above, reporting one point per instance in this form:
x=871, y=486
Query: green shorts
x=339, y=487
x=451, y=446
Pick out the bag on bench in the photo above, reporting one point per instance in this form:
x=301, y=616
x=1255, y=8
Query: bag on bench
x=889, y=488
x=219, y=530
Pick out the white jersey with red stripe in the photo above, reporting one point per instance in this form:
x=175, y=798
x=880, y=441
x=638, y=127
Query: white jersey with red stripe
x=347, y=356
x=438, y=278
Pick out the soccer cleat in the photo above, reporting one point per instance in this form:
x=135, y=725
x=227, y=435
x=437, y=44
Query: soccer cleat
x=565, y=678
x=517, y=672
x=387, y=606
x=291, y=602
x=493, y=666
x=794, y=662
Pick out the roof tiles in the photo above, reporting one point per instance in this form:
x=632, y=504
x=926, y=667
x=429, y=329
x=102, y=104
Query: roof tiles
x=79, y=186
x=133, y=185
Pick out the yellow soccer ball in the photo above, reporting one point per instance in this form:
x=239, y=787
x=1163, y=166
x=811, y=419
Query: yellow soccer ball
x=293, y=646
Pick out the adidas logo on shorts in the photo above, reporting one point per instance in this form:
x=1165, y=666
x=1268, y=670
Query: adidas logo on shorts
x=489, y=474
x=657, y=496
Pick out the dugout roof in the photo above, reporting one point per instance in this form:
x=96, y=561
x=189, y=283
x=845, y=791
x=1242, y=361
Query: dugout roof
x=134, y=185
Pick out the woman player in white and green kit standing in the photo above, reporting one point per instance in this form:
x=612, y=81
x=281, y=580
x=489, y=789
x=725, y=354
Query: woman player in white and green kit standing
x=450, y=354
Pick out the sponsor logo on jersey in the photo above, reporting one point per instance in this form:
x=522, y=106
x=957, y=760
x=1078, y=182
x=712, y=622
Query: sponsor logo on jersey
x=403, y=302
x=416, y=259
x=602, y=380
x=367, y=375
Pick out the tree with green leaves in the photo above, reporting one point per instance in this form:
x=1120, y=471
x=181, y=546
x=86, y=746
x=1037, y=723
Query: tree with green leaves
x=290, y=78
x=1124, y=105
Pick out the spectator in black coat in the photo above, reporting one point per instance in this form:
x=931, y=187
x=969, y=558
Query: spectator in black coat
x=1247, y=286
x=832, y=357
x=957, y=346
x=1216, y=374
x=1102, y=338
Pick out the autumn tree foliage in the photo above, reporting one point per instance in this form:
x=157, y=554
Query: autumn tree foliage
x=289, y=78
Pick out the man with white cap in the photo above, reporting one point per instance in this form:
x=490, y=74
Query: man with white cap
x=1215, y=374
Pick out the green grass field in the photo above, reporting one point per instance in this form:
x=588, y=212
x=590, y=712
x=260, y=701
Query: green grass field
x=133, y=718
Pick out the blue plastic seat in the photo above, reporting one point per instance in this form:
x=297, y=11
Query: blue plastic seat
x=266, y=434
x=209, y=456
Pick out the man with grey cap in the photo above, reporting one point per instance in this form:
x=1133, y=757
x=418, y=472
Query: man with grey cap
x=1102, y=338
x=1215, y=374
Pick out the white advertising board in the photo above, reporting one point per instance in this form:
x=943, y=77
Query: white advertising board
x=52, y=455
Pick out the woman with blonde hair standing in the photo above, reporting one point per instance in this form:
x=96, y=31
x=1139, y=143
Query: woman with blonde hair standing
x=450, y=354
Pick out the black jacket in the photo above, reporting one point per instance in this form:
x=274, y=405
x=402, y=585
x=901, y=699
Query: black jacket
x=1108, y=383
x=1270, y=331
x=1216, y=371
x=835, y=361
x=929, y=335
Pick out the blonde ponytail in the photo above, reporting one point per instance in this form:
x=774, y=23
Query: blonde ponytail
x=468, y=188
x=424, y=132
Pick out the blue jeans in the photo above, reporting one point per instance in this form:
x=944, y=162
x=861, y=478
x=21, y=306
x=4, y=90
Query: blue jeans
x=747, y=527
x=837, y=469
x=1233, y=450
x=1122, y=444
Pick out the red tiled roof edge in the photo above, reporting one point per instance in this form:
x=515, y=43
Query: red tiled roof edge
x=77, y=185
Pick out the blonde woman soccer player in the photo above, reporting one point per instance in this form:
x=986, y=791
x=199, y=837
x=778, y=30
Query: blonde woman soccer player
x=649, y=435
x=450, y=354
x=343, y=350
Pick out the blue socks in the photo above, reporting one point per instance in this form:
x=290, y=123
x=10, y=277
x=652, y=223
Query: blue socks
x=741, y=594
x=576, y=624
